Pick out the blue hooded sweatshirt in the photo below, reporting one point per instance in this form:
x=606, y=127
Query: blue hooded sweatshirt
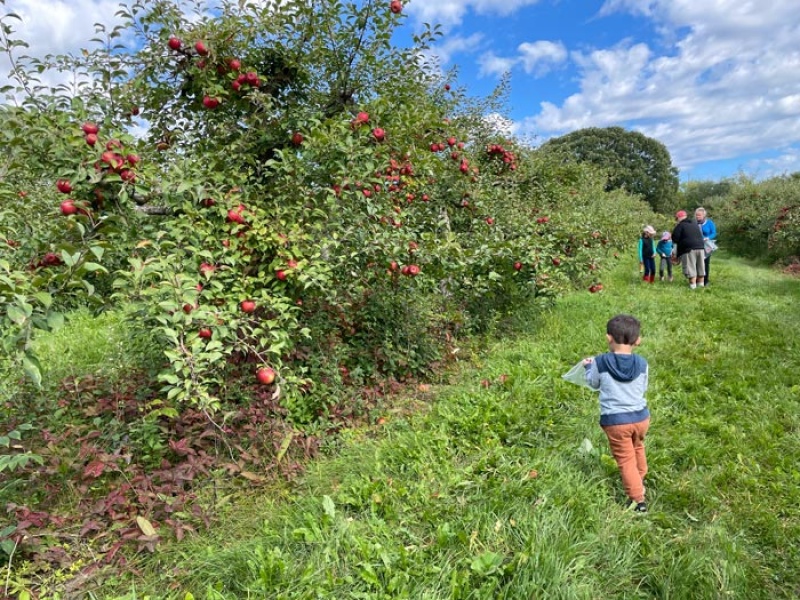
x=622, y=382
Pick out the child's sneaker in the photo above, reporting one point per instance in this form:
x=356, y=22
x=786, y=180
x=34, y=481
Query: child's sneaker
x=641, y=507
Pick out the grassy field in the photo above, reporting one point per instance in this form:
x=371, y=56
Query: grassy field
x=502, y=485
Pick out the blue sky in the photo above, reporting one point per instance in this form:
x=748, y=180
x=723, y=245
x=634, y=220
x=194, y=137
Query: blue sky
x=716, y=81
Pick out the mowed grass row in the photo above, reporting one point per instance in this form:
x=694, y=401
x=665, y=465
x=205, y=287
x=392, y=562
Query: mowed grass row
x=509, y=491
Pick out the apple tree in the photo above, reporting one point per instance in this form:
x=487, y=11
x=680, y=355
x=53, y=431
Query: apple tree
x=275, y=189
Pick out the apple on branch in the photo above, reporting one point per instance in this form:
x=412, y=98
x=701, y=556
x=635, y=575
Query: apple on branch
x=266, y=375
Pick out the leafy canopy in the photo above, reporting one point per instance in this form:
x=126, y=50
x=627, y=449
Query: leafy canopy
x=633, y=161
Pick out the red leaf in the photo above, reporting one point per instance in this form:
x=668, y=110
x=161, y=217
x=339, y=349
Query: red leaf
x=94, y=469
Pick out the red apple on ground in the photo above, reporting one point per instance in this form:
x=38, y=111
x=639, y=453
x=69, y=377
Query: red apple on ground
x=556, y=261
x=248, y=306
x=265, y=375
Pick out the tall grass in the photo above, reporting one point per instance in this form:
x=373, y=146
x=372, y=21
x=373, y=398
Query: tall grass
x=509, y=491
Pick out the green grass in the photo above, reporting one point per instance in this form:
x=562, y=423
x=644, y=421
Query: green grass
x=442, y=504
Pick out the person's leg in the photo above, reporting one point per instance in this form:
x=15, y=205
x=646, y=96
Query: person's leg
x=620, y=440
x=699, y=259
x=707, y=263
x=669, y=269
x=639, y=433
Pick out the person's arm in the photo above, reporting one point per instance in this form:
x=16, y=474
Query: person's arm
x=592, y=375
x=712, y=230
x=640, y=247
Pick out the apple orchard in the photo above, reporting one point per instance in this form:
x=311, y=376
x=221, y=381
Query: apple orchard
x=282, y=197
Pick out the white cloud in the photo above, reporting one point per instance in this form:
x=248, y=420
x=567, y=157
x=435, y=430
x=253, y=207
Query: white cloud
x=539, y=57
x=726, y=84
x=450, y=13
x=491, y=64
x=443, y=53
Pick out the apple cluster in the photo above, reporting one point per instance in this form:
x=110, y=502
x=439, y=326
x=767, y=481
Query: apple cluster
x=498, y=151
x=240, y=79
x=112, y=161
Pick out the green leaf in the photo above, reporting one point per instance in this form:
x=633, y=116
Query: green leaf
x=328, y=506
x=55, y=321
x=32, y=369
x=45, y=298
x=16, y=314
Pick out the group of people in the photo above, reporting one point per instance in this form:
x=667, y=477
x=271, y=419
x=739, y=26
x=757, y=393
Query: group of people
x=691, y=243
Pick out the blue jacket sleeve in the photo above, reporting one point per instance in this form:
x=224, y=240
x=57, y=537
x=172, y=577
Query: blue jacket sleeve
x=712, y=230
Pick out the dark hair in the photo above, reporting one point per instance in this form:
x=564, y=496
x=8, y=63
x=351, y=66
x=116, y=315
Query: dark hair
x=624, y=329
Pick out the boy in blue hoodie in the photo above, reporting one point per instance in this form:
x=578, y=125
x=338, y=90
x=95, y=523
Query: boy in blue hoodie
x=621, y=378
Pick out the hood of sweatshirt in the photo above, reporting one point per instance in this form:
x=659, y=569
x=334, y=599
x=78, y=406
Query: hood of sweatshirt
x=622, y=367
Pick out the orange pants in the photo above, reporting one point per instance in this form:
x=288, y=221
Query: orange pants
x=627, y=446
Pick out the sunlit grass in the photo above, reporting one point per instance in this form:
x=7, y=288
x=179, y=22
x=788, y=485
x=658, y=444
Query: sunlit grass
x=509, y=491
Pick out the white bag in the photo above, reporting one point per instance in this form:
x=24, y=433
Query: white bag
x=577, y=375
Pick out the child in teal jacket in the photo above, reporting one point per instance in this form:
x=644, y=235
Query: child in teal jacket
x=664, y=250
x=647, y=254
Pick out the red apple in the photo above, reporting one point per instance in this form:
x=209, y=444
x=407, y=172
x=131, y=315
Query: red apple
x=201, y=48
x=127, y=175
x=517, y=266
x=265, y=375
x=248, y=306
x=413, y=270
x=133, y=159
x=207, y=269
x=205, y=333
x=297, y=138
x=556, y=261
x=451, y=141
x=174, y=43
x=210, y=102
x=235, y=216
x=89, y=127
x=396, y=6
x=187, y=308
x=489, y=221
x=64, y=186
x=235, y=64
x=446, y=87
x=91, y=138
x=280, y=274
x=379, y=134
x=68, y=208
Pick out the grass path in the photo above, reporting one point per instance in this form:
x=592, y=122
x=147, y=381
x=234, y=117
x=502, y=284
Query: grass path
x=509, y=491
